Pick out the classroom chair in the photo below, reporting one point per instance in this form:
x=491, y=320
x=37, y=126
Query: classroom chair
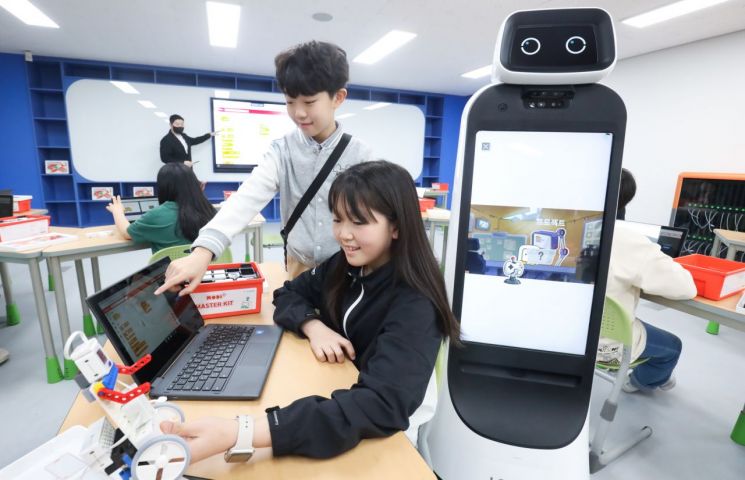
x=180, y=251
x=616, y=325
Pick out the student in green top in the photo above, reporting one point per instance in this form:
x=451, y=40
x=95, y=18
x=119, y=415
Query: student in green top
x=183, y=210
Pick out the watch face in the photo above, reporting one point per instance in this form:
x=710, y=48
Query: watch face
x=237, y=456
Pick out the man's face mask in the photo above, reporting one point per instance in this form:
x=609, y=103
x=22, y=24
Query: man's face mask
x=178, y=129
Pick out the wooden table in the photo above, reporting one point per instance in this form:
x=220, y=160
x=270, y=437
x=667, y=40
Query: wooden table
x=88, y=245
x=294, y=374
x=31, y=258
x=717, y=312
x=735, y=242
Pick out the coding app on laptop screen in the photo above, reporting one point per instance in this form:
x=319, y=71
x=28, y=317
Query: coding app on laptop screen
x=537, y=204
x=143, y=320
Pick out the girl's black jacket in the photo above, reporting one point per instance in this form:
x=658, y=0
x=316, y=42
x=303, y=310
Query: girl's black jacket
x=394, y=331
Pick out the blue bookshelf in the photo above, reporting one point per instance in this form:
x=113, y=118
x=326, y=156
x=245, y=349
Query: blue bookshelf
x=68, y=197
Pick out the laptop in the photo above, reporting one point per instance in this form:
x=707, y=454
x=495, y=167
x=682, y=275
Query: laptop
x=190, y=360
x=135, y=207
x=670, y=239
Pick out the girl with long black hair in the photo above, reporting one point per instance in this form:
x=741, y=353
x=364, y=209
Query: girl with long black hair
x=182, y=211
x=379, y=302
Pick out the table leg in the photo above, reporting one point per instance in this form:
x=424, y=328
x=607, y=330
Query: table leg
x=731, y=252
x=259, y=244
x=715, y=246
x=13, y=316
x=738, y=433
x=96, y=287
x=70, y=370
x=246, y=237
x=88, y=327
x=431, y=233
x=54, y=372
x=444, y=246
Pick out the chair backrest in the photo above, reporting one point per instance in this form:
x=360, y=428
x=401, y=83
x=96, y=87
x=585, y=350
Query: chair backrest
x=180, y=251
x=617, y=323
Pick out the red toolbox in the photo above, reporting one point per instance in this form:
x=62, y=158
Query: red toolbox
x=24, y=226
x=426, y=203
x=21, y=203
x=229, y=289
x=715, y=278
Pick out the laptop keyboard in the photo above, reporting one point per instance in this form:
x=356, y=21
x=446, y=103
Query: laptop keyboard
x=211, y=365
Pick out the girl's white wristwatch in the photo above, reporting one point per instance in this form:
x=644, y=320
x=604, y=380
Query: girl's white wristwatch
x=243, y=448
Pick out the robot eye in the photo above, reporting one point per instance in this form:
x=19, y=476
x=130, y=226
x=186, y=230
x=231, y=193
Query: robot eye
x=576, y=45
x=530, y=46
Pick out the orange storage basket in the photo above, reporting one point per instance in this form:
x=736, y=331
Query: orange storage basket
x=426, y=203
x=715, y=278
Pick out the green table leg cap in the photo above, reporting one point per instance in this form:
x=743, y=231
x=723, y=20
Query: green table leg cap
x=738, y=433
x=51, y=283
x=54, y=372
x=14, y=315
x=99, y=328
x=712, y=328
x=248, y=258
x=70, y=369
x=88, y=328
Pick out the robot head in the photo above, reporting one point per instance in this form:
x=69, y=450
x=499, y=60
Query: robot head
x=555, y=47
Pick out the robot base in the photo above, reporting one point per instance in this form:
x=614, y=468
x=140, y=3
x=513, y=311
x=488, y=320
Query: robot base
x=489, y=460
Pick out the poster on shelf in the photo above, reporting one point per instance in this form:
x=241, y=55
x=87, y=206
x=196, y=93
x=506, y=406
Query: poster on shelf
x=143, y=191
x=57, y=167
x=102, y=193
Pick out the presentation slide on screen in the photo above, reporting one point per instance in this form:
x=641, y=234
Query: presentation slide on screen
x=246, y=130
x=537, y=198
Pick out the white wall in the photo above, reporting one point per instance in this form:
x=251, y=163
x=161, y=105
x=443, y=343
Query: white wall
x=686, y=112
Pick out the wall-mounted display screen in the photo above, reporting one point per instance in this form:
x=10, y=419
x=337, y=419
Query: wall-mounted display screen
x=246, y=130
x=539, y=194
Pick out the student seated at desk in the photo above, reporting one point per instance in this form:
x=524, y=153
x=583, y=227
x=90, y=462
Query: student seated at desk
x=183, y=210
x=637, y=264
x=381, y=302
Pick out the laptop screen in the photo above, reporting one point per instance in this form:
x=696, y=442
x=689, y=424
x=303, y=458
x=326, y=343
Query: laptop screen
x=138, y=322
x=136, y=207
x=670, y=239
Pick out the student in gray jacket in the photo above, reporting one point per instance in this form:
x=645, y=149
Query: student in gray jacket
x=313, y=77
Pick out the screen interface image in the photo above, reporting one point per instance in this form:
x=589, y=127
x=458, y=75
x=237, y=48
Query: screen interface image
x=539, y=193
x=246, y=130
x=143, y=320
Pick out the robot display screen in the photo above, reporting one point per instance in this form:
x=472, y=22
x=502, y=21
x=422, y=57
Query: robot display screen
x=526, y=283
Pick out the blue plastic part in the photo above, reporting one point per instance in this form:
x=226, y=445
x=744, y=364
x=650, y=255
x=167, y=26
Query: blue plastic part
x=109, y=381
x=126, y=473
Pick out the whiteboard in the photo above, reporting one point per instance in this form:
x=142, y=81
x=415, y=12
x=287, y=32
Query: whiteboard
x=114, y=138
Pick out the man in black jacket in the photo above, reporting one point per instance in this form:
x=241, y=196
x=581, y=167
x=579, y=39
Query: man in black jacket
x=176, y=145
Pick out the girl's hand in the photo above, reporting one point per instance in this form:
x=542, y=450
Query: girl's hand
x=188, y=269
x=116, y=207
x=326, y=344
x=206, y=437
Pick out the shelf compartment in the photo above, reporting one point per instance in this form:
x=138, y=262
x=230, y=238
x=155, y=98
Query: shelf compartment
x=356, y=93
x=48, y=104
x=256, y=84
x=129, y=74
x=58, y=188
x=45, y=75
x=87, y=70
x=51, y=134
x=175, y=78
x=216, y=81
x=64, y=214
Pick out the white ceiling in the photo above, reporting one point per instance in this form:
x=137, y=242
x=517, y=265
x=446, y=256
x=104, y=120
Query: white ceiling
x=453, y=36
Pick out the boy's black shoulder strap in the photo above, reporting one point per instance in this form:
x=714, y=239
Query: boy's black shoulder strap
x=313, y=189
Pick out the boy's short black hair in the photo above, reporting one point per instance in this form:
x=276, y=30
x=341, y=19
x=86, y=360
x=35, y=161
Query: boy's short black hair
x=174, y=117
x=311, y=68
